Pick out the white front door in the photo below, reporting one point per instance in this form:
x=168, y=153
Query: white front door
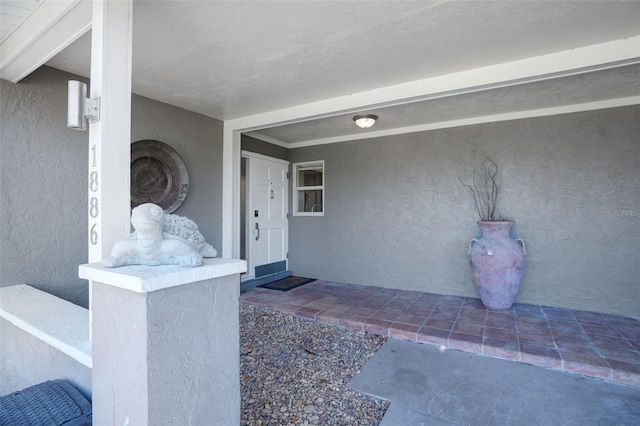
x=267, y=213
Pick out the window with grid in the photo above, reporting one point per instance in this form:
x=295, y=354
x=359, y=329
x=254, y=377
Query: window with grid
x=308, y=188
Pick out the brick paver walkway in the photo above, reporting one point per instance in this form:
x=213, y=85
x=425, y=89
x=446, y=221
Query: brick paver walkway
x=588, y=343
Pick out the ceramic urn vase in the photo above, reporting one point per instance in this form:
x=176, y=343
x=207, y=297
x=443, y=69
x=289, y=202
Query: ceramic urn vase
x=498, y=264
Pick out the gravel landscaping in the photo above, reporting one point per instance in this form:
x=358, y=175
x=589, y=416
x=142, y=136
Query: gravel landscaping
x=295, y=372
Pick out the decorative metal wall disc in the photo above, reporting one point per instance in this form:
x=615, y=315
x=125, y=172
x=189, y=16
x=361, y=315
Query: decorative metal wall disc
x=158, y=175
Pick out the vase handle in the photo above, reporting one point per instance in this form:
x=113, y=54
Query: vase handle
x=471, y=243
x=521, y=242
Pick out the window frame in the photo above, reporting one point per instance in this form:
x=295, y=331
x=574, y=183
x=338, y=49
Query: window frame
x=297, y=190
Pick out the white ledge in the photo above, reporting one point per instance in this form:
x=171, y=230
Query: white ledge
x=144, y=279
x=59, y=323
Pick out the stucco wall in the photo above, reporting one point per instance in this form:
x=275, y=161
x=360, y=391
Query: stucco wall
x=27, y=361
x=43, y=170
x=396, y=214
x=198, y=141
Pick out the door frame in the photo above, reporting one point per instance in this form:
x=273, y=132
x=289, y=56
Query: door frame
x=249, y=275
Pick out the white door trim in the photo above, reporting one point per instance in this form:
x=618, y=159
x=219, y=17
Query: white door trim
x=249, y=154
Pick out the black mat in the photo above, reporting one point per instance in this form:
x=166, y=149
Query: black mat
x=288, y=283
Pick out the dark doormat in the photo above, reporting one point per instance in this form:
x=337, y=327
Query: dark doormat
x=288, y=283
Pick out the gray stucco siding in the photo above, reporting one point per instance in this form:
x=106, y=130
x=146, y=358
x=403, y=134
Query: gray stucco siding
x=43, y=186
x=397, y=215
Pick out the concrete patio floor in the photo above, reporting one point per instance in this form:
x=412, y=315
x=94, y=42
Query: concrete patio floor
x=428, y=386
x=587, y=343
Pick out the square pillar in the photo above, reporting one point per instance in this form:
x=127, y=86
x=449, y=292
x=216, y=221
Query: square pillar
x=166, y=343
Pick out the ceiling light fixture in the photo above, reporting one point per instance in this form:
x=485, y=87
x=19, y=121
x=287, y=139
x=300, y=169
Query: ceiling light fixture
x=365, y=121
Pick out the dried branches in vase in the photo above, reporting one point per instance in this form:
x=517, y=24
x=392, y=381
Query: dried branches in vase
x=484, y=187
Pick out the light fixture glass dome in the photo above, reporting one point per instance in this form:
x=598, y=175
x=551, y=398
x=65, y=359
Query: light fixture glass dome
x=365, y=121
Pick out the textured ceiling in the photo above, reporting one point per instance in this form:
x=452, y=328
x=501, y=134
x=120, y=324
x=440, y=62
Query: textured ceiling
x=234, y=59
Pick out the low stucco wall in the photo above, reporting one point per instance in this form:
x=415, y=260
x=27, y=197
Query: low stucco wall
x=43, y=338
x=26, y=360
x=396, y=214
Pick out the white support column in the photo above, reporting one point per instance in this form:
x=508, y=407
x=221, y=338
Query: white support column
x=231, y=193
x=166, y=343
x=110, y=137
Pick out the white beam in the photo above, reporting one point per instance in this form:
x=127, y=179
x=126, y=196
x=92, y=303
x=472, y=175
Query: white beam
x=569, y=62
x=110, y=137
x=468, y=121
x=54, y=25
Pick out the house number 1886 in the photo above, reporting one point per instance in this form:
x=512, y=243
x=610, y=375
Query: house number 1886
x=93, y=201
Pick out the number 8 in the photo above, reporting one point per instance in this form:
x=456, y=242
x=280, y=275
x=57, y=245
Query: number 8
x=93, y=207
x=93, y=181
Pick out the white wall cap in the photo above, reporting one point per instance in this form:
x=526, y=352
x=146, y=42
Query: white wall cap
x=144, y=279
x=59, y=323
